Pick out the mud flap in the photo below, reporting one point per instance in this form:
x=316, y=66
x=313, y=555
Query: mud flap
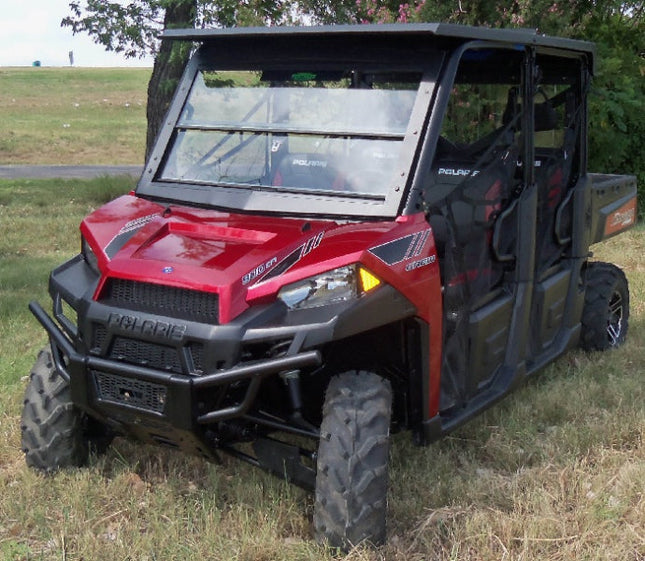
x=284, y=460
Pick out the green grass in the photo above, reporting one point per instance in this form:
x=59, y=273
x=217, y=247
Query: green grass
x=554, y=472
x=72, y=115
x=40, y=221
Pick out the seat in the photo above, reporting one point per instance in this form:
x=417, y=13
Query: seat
x=463, y=219
x=302, y=170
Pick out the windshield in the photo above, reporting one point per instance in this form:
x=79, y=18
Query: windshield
x=336, y=132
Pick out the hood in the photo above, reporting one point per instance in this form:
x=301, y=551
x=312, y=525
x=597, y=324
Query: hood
x=247, y=259
x=240, y=257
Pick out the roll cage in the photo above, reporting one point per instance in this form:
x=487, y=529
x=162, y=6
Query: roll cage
x=433, y=51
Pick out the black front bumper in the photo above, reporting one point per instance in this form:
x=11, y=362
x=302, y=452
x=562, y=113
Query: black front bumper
x=156, y=406
x=176, y=389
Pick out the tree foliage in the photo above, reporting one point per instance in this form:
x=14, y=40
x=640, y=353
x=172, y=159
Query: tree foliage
x=617, y=126
x=133, y=28
x=617, y=129
x=130, y=29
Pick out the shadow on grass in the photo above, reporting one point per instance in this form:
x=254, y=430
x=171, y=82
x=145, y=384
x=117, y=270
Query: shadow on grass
x=48, y=193
x=22, y=280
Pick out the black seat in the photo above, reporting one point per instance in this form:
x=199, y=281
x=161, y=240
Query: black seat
x=302, y=170
x=468, y=202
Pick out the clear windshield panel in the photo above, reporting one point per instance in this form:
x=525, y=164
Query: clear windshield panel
x=290, y=161
x=336, y=131
x=375, y=105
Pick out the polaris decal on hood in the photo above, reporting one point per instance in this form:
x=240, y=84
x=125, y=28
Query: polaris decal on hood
x=289, y=261
x=126, y=232
x=404, y=248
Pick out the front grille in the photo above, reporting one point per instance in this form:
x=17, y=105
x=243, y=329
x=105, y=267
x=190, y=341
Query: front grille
x=197, y=352
x=100, y=334
x=162, y=300
x=147, y=354
x=126, y=391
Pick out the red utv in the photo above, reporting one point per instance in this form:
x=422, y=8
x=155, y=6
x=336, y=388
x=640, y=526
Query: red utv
x=342, y=232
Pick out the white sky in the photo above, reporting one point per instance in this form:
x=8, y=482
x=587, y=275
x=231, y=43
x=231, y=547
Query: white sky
x=30, y=30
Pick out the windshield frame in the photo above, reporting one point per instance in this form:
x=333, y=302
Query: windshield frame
x=296, y=202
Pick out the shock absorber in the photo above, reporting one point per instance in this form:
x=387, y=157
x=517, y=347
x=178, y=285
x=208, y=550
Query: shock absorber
x=292, y=380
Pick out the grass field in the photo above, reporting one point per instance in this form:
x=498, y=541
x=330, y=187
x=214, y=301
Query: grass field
x=73, y=115
x=554, y=473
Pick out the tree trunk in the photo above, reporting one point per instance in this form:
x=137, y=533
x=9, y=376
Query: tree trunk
x=168, y=68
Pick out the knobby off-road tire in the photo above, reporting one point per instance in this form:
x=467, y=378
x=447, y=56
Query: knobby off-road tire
x=54, y=432
x=605, y=315
x=352, y=476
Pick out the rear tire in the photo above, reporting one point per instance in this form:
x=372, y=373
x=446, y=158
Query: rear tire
x=605, y=315
x=352, y=476
x=55, y=434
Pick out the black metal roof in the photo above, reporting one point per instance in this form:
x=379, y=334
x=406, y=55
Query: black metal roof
x=420, y=31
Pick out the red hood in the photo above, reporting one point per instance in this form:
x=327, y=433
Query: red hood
x=243, y=258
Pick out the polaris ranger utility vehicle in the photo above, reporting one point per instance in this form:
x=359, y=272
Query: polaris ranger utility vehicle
x=342, y=232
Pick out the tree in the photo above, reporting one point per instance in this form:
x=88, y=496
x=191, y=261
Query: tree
x=168, y=67
x=133, y=29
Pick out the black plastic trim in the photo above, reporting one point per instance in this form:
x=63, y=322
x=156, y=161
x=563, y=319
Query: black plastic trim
x=253, y=372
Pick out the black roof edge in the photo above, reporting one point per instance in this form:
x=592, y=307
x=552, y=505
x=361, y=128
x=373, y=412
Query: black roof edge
x=446, y=30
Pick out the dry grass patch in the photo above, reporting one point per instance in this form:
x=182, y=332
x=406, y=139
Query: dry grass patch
x=555, y=472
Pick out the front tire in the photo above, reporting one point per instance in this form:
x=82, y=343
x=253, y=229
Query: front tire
x=605, y=315
x=352, y=476
x=55, y=434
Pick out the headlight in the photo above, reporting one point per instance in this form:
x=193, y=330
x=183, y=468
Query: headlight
x=89, y=256
x=340, y=285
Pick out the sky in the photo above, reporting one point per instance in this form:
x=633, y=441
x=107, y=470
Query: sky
x=30, y=30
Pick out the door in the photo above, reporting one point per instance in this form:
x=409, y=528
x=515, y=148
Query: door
x=558, y=113
x=472, y=202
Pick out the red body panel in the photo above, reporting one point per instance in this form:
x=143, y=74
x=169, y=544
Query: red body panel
x=239, y=256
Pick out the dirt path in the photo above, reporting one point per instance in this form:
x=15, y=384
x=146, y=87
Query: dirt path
x=66, y=172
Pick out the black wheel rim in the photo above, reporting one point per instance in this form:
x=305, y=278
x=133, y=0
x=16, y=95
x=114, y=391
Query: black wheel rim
x=615, y=319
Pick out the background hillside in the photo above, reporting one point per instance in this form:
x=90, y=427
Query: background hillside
x=72, y=115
